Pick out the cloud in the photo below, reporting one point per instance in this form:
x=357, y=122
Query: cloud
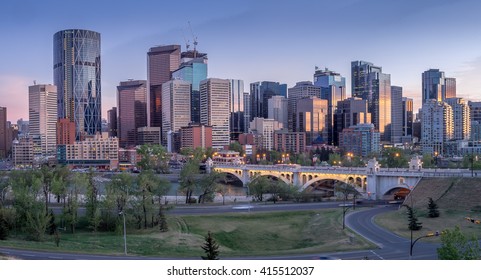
x=14, y=96
x=468, y=84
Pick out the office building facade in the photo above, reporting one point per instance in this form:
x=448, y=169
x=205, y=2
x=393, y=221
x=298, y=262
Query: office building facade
x=436, y=126
x=396, y=114
x=236, y=105
x=176, y=108
x=214, y=109
x=461, y=118
x=260, y=93
x=361, y=140
x=369, y=83
x=299, y=91
x=132, y=110
x=42, y=111
x=349, y=112
x=77, y=75
x=436, y=86
x=277, y=109
x=161, y=62
x=311, y=118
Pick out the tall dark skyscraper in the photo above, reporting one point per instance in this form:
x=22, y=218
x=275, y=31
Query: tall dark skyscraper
x=407, y=117
x=396, y=114
x=161, y=62
x=333, y=89
x=76, y=73
x=436, y=86
x=260, y=93
x=132, y=108
x=369, y=83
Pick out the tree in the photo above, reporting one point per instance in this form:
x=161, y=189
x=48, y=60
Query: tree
x=52, y=226
x=237, y=147
x=258, y=186
x=75, y=185
x=456, y=246
x=208, y=185
x=276, y=189
x=413, y=219
x=433, y=209
x=150, y=186
x=189, y=177
x=163, y=225
x=211, y=248
x=153, y=157
x=92, y=201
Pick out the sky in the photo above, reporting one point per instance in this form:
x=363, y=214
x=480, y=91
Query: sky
x=251, y=40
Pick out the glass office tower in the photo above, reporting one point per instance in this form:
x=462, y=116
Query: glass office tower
x=76, y=73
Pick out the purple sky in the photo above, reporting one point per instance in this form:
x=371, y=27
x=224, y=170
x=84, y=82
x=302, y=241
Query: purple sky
x=248, y=40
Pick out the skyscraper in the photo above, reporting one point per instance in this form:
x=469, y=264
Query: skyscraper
x=333, y=89
x=260, y=92
x=461, y=118
x=437, y=86
x=112, y=120
x=369, y=83
x=132, y=110
x=311, y=118
x=277, y=109
x=349, y=112
x=214, y=109
x=42, y=111
x=436, y=126
x=247, y=111
x=175, y=110
x=161, y=62
x=396, y=114
x=408, y=119
x=76, y=73
x=193, y=69
x=299, y=91
x=236, y=109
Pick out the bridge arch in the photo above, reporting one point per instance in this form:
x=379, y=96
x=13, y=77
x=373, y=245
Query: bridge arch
x=235, y=173
x=353, y=179
x=398, y=192
x=278, y=176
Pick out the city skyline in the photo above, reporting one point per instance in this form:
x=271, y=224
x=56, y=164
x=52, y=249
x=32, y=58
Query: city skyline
x=406, y=38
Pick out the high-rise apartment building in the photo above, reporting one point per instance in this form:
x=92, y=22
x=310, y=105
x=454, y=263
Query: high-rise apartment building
x=265, y=128
x=236, y=105
x=311, y=118
x=196, y=136
x=161, y=62
x=333, y=89
x=299, y=91
x=193, y=69
x=260, y=92
x=396, y=114
x=3, y=132
x=436, y=86
x=76, y=73
x=361, y=140
x=42, y=111
x=369, y=83
x=277, y=109
x=461, y=118
x=247, y=111
x=214, y=109
x=349, y=112
x=132, y=110
x=289, y=142
x=175, y=109
x=436, y=126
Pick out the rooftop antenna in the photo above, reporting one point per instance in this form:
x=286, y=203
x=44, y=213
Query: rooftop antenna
x=34, y=82
x=194, y=38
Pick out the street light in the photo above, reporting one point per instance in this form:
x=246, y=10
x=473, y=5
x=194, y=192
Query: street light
x=429, y=234
x=125, y=233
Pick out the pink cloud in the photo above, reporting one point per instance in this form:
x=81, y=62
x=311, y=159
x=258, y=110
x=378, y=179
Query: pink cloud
x=14, y=96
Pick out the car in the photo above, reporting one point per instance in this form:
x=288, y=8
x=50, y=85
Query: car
x=327, y=258
x=243, y=207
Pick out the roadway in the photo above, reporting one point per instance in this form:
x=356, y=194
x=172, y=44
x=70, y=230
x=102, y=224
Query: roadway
x=390, y=246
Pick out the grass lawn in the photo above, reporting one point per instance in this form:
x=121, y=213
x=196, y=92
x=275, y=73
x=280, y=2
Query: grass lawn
x=238, y=234
x=398, y=222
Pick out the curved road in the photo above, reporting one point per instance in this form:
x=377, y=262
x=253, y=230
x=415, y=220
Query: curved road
x=391, y=246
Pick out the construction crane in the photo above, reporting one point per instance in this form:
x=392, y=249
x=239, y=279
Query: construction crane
x=187, y=42
x=194, y=38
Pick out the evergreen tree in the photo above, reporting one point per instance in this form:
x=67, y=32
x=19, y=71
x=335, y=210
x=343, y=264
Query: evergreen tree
x=433, y=209
x=163, y=226
x=413, y=220
x=52, y=227
x=4, y=231
x=211, y=248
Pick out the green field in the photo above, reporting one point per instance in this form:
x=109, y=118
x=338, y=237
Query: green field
x=240, y=234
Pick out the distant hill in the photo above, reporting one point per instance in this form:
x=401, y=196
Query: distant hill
x=449, y=193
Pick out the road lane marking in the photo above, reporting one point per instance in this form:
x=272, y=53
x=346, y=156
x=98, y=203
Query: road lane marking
x=377, y=255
